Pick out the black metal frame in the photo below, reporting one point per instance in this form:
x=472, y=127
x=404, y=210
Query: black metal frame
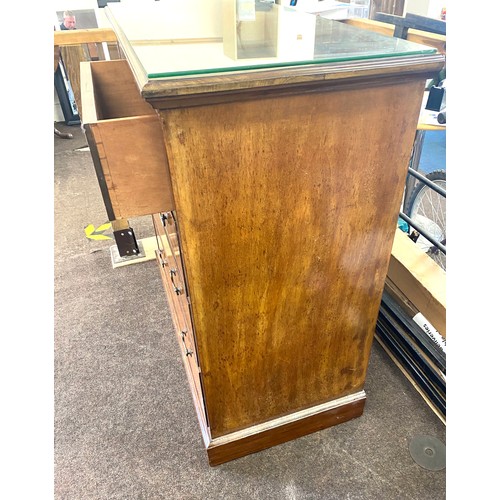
x=419, y=228
x=411, y=21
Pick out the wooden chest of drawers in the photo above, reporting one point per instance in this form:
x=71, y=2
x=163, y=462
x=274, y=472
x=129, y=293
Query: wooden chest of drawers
x=275, y=194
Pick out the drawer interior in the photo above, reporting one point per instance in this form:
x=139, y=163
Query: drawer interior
x=115, y=92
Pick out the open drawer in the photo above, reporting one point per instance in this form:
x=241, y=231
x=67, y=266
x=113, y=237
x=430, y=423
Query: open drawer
x=125, y=138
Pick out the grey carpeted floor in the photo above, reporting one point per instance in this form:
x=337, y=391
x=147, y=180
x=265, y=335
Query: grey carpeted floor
x=124, y=422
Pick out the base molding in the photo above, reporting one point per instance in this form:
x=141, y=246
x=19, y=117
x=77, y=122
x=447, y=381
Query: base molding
x=283, y=429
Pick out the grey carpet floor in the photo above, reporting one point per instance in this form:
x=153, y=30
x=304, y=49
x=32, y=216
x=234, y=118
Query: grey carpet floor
x=124, y=421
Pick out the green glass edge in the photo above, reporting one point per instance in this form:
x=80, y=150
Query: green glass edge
x=285, y=64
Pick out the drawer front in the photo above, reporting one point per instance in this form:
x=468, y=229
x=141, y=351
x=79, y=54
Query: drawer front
x=173, y=280
x=171, y=270
x=172, y=259
x=177, y=300
x=183, y=327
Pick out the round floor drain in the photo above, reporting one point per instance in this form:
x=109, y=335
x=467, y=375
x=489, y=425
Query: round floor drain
x=429, y=452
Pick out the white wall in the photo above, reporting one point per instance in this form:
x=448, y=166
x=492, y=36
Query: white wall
x=74, y=5
x=427, y=8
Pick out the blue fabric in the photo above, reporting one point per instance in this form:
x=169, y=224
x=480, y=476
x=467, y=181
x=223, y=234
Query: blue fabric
x=433, y=156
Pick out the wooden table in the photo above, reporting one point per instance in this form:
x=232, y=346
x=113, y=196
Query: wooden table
x=272, y=152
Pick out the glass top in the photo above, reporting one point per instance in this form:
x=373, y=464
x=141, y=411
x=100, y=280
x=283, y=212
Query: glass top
x=197, y=37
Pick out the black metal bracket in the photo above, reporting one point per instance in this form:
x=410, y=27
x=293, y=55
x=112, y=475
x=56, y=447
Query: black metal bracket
x=126, y=242
x=413, y=21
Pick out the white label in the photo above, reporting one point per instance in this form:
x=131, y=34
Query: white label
x=431, y=332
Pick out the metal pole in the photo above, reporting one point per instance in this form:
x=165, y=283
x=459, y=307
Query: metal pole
x=423, y=232
x=426, y=181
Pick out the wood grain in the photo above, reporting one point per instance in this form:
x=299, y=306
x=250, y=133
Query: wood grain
x=286, y=210
x=134, y=165
x=81, y=36
x=115, y=90
x=287, y=185
x=126, y=141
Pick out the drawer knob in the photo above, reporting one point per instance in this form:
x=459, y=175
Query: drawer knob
x=177, y=290
x=188, y=351
x=166, y=218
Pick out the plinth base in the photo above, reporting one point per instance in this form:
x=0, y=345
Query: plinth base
x=298, y=424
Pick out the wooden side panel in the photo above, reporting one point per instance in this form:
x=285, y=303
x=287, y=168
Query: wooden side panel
x=88, y=109
x=134, y=165
x=287, y=209
x=117, y=95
